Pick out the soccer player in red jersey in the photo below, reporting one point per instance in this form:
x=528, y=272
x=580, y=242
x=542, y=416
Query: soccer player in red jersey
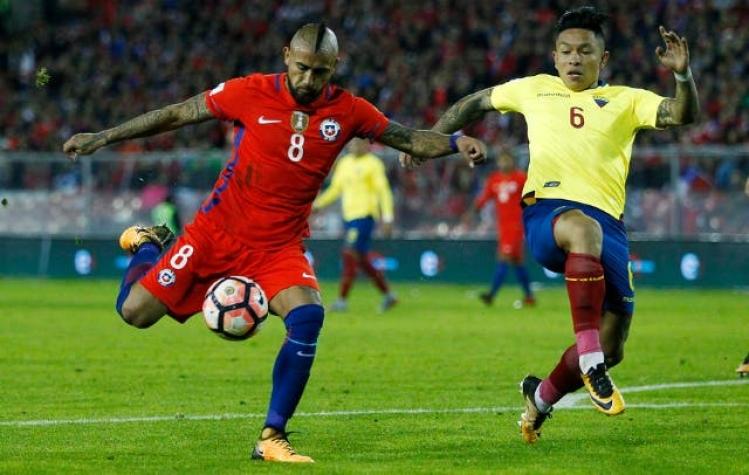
x=504, y=188
x=288, y=130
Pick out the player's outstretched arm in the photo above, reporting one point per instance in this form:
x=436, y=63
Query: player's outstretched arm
x=685, y=107
x=430, y=144
x=467, y=110
x=154, y=122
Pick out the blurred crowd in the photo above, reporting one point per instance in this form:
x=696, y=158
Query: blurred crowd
x=83, y=65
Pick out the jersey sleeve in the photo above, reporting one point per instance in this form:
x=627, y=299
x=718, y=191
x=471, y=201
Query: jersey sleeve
x=229, y=99
x=508, y=97
x=369, y=122
x=645, y=108
x=382, y=188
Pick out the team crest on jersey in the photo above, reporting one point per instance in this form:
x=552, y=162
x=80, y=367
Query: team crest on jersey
x=601, y=101
x=329, y=129
x=299, y=121
x=166, y=277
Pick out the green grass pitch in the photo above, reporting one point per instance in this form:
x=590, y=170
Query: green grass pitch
x=430, y=387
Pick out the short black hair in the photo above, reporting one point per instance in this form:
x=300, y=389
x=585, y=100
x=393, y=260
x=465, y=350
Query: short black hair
x=586, y=18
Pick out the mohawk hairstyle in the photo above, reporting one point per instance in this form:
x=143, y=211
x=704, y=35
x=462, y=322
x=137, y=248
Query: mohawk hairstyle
x=586, y=18
x=321, y=30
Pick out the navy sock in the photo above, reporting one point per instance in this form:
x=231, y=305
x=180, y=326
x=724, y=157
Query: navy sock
x=143, y=259
x=293, y=363
x=499, y=276
x=522, y=274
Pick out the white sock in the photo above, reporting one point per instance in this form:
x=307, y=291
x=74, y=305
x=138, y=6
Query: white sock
x=541, y=405
x=590, y=360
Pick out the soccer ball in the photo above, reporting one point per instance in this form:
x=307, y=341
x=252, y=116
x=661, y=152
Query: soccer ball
x=235, y=307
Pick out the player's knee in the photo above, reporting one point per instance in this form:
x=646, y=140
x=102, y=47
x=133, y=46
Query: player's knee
x=135, y=314
x=304, y=323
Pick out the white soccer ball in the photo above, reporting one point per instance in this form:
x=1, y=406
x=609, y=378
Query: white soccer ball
x=235, y=307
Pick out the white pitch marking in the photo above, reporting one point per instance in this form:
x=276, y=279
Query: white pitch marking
x=571, y=399
x=567, y=404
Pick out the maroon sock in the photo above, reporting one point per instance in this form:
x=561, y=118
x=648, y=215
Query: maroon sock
x=377, y=277
x=349, y=273
x=563, y=379
x=586, y=289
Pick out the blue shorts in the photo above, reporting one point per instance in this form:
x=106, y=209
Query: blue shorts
x=359, y=233
x=538, y=219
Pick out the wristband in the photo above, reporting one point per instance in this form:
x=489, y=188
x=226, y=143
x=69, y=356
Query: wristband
x=454, y=140
x=687, y=76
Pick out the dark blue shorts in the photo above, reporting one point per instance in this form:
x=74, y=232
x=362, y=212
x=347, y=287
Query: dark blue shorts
x=358, y=233
x=538, y=219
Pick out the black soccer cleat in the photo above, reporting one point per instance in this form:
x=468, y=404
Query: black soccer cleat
x=532, y=418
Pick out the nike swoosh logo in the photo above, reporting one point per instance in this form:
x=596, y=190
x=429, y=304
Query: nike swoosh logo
x=263, y=121
x=603, y=405
x=308, y=276
x=308, y=355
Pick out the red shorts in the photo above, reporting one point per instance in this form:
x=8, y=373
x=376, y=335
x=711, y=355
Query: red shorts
x=511, y=243
x=205, y=253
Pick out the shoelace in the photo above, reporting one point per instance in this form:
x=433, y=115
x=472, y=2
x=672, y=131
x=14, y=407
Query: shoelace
x=283, y=443
x=600, y=381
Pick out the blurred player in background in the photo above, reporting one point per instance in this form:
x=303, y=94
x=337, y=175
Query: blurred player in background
x=580, y=133
x=288, y=130
x=359, y=178
x=167, y=214
x=504, y=188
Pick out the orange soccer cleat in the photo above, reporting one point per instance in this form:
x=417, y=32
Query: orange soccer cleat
x=135, y=236
x=274, y=446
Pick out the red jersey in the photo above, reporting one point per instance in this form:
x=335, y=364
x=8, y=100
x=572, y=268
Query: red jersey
x=505, y=190
x=282, y=153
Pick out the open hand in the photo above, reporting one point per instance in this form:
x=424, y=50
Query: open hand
x=675, y=56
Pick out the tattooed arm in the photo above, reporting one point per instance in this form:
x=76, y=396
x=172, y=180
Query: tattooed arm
x=467, y=110
x=682, y=109
x=427, y=143
x=173, y=116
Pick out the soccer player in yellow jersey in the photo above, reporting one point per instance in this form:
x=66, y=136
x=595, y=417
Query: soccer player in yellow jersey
x=580, y=134
x=360, y=179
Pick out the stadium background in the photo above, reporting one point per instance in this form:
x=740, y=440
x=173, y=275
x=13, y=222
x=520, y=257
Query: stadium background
x=110, y=60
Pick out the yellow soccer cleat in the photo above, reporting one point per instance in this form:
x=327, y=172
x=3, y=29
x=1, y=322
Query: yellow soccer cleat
x=531, y=419
x=743, y=367
x=135, y=236
x=602, y=391
x=274, y=446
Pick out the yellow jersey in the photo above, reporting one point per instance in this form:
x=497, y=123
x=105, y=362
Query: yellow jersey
x=580, y=143
x=364, y=186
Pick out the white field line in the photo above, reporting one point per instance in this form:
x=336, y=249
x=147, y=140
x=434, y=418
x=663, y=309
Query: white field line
x=568, y=403
x=572, y=399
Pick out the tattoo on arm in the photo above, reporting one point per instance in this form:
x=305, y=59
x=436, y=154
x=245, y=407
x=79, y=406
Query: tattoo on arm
x=465, y=111
x=680, y=110
x=174, y=116
x=420, y=143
